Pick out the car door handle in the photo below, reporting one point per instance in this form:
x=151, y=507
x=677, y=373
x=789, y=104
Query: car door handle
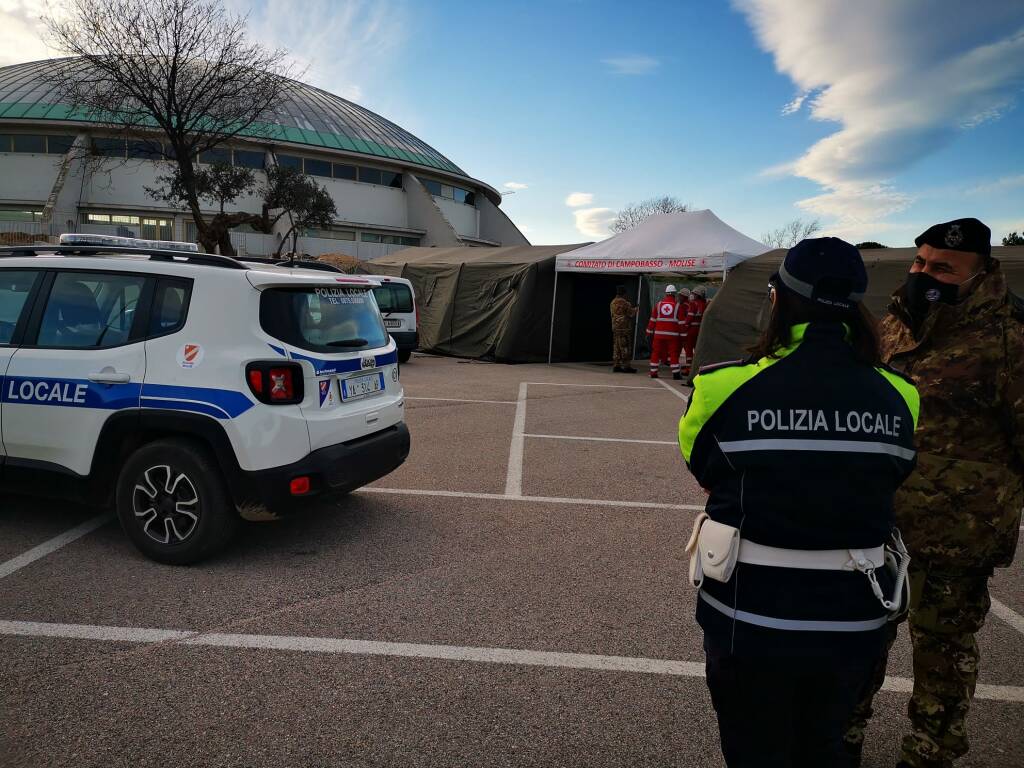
x=110, y=377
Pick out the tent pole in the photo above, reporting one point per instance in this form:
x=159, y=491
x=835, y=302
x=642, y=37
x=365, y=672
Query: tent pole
x=636, y=322
x=551, y=335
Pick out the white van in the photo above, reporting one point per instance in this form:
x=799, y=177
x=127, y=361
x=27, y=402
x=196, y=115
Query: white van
x=397, y=302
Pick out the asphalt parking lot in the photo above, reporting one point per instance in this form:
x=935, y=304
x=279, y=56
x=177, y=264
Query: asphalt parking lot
x=514, y=595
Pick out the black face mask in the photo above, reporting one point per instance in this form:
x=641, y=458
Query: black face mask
x=923, y=291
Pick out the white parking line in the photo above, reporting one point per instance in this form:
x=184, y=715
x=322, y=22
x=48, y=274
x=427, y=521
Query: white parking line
x=603, y=439
x=548, y=659
x=674, y=391
x=1007, y=614
x=534, y=499
x=460, y=400
x=52, y=545
x=597, y=386
x=514, y=477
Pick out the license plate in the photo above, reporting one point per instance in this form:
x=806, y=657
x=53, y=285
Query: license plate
x=361, y=386
x=392, y=323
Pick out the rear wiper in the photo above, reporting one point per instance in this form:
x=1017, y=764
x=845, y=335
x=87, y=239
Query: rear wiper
x=348, y=343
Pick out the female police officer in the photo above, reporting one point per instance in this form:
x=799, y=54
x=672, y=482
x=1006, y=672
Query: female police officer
x=800, y=449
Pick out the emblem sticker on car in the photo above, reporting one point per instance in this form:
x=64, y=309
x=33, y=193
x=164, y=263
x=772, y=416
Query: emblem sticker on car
x=326, y=393
x=369, y=362
x=190, y=355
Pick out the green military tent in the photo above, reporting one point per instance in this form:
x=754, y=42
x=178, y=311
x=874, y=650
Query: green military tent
x=491, y=303
x=740, y=309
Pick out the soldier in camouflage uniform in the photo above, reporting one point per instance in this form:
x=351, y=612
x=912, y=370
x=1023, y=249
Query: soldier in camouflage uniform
x=622, y=332
x=959, y=333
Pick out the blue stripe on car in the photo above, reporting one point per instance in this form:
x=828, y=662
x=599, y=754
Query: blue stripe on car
x=80, y=393
x=323, y=367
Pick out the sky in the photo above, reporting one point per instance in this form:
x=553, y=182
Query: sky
x=876, y=118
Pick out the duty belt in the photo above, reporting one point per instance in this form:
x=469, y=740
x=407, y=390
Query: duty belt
x=811, y=559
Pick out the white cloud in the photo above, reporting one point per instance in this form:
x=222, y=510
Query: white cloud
x=796, y=103
x=22, y=32
x=578, y=199
x=338, y=45
x=632, y=65
x=997, y=186
x=900, y=79
x=594, y=222
x=515, y=186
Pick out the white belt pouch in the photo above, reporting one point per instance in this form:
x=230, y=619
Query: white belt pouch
x=714, y=549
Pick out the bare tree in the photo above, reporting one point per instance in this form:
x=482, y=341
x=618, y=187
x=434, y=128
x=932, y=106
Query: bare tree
x=185, y=69
x=790, y=234
x=635, y=214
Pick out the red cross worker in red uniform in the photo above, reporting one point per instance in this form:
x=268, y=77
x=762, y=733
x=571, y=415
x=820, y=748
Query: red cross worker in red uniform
x=690, y=324
x=663, y=333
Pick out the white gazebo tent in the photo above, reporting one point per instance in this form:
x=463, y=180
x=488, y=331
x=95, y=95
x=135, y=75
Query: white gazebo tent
x=690, y=242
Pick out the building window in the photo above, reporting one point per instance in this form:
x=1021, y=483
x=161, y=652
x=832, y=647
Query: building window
x=145, y=150
x=332, y=234
x=391, y=179
x=24, y=142
x=130, y=225
x=317, y=167
x=108, y=147
x=370, y=237
x=410, y=240
x=342, y=171
x=12, y=214
x=433, y=187
x=59, y=145
x=247, y=158
x=219, y=155
x=369, y=175
x=290, y=161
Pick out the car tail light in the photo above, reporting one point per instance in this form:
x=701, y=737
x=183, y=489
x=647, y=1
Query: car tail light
x=299, y=486
x=282, y=384
x=274, y=382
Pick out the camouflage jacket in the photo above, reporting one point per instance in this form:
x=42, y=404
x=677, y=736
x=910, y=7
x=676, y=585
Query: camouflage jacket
x=622, y=313
x=961, y=509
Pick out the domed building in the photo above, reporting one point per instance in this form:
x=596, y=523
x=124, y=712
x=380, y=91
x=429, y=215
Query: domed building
x=392, y=190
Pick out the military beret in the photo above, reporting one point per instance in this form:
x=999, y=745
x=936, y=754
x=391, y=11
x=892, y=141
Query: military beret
x=825, y=270
x=958, y=235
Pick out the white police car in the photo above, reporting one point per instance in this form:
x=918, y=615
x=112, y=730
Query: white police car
x=189, y=388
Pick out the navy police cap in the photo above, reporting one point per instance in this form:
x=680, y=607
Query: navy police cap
x=825, y=270
x=958, y=235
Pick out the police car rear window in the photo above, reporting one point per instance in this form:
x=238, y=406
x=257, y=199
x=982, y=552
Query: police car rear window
x=330, y=319
x=393, y=297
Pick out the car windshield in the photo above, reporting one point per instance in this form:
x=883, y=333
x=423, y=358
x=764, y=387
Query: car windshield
x=343, y=319
x=393, y=297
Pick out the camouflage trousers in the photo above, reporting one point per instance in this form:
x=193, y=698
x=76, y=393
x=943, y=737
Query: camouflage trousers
x=946, y=612
x=622, y=348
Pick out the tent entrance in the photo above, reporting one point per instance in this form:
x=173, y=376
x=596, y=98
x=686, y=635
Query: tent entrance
x=590, y=327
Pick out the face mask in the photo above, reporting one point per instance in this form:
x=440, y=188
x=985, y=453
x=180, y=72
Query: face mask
x=923, y=291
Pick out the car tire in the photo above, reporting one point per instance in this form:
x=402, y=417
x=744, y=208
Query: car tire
x=173, y=503
x=404, y=355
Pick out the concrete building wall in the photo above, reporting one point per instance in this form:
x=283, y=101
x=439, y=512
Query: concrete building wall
x=367, y=203
x=122, y=183
x=464, y=218
x=27, y=178
x=425, y=214
x=495, y=225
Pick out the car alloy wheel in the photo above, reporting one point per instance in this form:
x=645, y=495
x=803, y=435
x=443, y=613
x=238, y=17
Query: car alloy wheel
x=166, y=503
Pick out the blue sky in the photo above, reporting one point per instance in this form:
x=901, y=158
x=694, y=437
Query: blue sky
x=910, y=111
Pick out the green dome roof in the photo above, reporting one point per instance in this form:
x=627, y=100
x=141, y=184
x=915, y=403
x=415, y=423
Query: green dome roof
x=307, y=116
